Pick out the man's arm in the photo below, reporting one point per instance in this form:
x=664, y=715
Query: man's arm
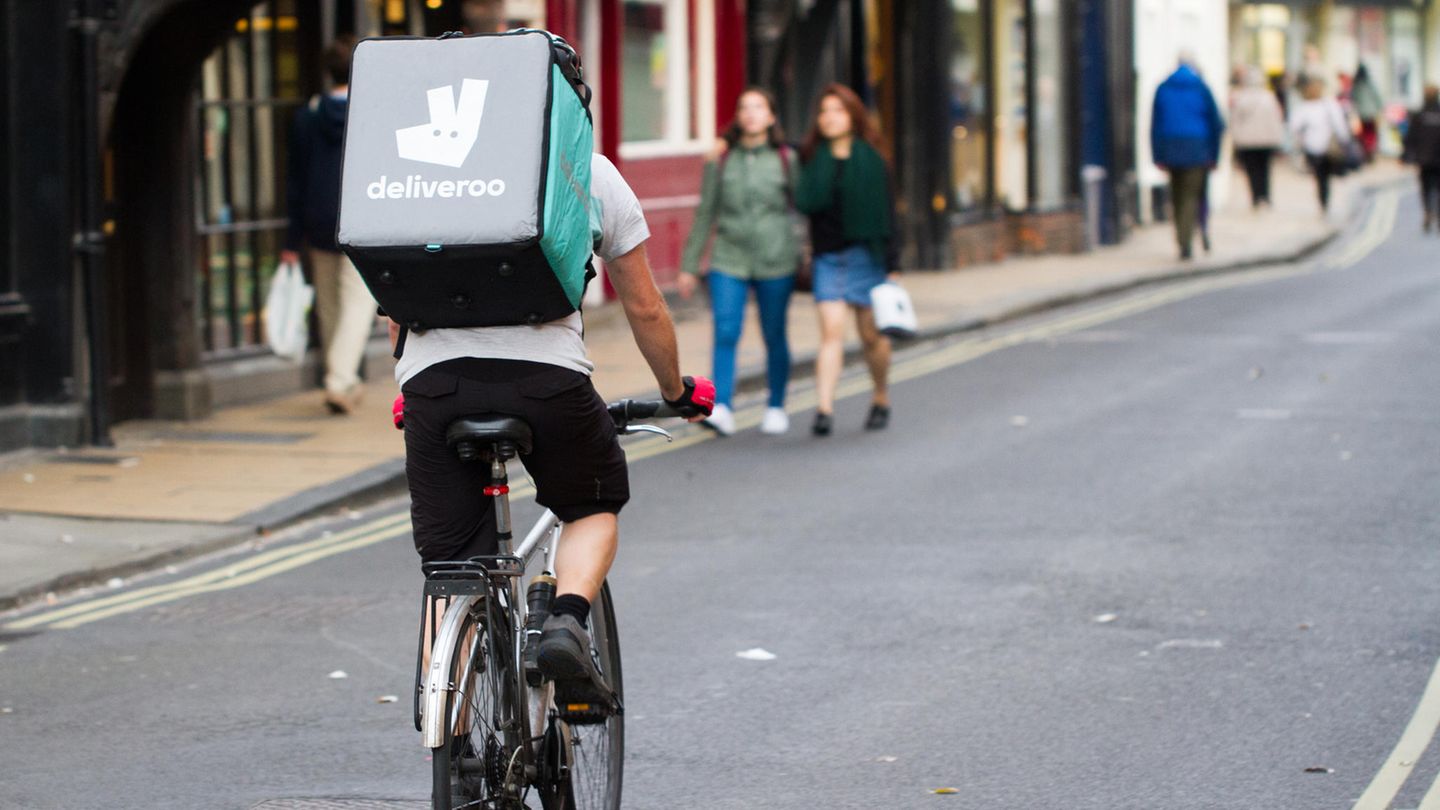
x=649, y=318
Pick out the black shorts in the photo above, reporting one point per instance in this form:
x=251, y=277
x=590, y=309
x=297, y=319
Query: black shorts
x=577, y=464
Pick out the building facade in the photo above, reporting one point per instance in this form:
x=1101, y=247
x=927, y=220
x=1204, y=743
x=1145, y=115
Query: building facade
x=144, y=212
x=144, y=215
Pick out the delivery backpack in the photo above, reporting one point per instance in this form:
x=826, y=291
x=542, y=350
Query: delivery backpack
x=465, y=187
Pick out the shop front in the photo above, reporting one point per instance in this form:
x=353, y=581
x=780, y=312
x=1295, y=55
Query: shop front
x=978, y=98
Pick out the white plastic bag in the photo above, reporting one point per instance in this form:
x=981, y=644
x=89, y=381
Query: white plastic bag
x=894, y=314
x=287, y=311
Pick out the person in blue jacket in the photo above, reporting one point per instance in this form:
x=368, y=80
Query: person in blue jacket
x=1185, y=130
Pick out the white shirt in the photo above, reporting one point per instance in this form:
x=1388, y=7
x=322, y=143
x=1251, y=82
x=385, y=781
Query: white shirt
x=1315, y=122
x=558, y=343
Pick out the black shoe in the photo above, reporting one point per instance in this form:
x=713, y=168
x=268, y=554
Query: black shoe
x=822, y=424
x=1205, y=242
x=879, y=417
x=1185, y=254
x=581, y=694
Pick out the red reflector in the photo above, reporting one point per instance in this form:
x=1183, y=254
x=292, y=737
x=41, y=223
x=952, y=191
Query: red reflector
x=493, y=491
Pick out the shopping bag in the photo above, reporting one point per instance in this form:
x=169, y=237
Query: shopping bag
x=287, y=312
x=894, y=314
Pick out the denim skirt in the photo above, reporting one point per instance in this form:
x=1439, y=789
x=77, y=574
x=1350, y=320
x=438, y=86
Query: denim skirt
x=847, y=275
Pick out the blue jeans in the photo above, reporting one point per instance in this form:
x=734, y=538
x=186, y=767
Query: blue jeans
x=727, y=300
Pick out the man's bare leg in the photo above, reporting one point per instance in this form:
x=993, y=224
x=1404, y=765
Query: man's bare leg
x=587, y=548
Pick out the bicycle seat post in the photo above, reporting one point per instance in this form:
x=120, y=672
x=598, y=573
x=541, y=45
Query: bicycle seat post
x=499, y=489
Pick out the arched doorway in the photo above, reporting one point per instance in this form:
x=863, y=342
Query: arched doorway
x=209, y=80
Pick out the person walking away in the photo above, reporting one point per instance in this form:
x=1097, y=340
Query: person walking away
x=1422, y=147
x=1185, y=131
x=1365, y=100
x=1257, y=128
x=343, y=304
x=1321, y=132
x=745, y=201
x=845, y=189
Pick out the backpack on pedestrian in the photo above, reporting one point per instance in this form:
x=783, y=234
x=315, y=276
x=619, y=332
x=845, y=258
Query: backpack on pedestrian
x=465, y=191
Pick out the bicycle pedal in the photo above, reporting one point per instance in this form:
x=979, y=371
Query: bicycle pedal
x=584, y=714
x=589, y=711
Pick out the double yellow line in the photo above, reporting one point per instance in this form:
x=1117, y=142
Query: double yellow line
x=267, y=564
x=243, y=572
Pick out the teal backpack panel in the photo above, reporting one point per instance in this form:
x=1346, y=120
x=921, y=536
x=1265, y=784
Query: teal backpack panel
x=566, y=236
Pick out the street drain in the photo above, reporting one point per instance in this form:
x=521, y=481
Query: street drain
x=332, y=803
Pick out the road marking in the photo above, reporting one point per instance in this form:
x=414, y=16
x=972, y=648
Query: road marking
x=1432, y=797
x=267, y=564
x=1417, y=737
x=258, y=560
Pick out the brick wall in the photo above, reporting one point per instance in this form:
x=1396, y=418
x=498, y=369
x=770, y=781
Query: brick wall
x=1022, y=234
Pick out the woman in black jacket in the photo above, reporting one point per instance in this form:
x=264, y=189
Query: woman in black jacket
x=1422, y=147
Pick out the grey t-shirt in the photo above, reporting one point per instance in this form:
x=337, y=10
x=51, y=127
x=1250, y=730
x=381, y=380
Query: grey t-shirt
x=558, y=343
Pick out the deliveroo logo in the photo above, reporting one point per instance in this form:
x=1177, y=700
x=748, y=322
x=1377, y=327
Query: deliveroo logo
x=453, y=128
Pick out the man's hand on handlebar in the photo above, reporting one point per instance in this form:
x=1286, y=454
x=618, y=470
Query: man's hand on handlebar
x=696, y=401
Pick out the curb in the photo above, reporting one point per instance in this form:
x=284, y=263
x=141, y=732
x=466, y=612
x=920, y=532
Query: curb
x=387, y=478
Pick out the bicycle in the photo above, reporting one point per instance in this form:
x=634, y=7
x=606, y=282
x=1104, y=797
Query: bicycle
x=481, y=699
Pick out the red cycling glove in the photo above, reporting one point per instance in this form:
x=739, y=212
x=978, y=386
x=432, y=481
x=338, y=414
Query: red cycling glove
x=698, y=398
x=397, y=411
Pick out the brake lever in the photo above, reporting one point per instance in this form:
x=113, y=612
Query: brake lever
x=632, y=429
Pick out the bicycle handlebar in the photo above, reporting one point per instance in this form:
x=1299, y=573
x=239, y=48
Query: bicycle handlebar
x=628, y=409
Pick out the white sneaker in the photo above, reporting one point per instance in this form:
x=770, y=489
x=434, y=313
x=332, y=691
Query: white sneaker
x=775, y=422
x=721, y=420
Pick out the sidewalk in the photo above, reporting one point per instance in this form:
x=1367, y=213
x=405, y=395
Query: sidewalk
x=170, y=490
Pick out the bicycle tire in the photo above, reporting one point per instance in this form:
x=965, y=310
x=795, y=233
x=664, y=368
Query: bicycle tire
x=481, y=674
x=596, y=755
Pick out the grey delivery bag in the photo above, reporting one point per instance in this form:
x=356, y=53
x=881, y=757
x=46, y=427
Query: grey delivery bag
x=465, y=190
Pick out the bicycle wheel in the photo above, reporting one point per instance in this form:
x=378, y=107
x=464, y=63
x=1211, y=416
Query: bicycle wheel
x=597, y=752
x=474, y=765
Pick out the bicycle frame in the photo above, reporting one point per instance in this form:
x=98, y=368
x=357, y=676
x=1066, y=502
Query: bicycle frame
x=497, y=580
x=433, y=693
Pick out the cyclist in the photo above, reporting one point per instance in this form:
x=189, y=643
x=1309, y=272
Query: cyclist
x=541, y=374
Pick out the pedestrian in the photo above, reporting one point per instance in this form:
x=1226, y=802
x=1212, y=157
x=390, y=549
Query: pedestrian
x=1322, y=133
x=1185, y=130
x=845, y=189
x=1422, y=147
x=1257, y=128
x=343, y=303
x=746, y=199
x=1368, y=106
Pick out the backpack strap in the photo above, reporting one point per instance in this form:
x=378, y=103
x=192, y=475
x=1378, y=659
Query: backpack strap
x=789, y=183
x=400, y=341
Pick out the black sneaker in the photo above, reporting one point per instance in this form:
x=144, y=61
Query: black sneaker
x=822, y=424
x=879, y=417
x=581, y=694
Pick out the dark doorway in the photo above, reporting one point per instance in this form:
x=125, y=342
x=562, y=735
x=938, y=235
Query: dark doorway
x=153, y=158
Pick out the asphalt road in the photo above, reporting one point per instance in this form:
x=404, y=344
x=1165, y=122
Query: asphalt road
x=1174, y=550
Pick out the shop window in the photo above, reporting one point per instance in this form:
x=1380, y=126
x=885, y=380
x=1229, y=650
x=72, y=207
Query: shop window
x=249, y=90
x=665, y=103
x=1012, y=115
x=1051, y=119
x=969, y=116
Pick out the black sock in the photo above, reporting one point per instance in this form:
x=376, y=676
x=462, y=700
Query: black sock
x=571, y=604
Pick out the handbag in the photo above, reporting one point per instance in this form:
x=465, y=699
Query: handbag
x=894, y=313
x=287, y=312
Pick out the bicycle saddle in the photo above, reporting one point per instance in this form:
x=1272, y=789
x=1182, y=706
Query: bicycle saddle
x=488, y=429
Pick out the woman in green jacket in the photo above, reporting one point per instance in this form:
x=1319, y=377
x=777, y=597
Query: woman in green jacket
x=745, y=201
x=845, y=188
